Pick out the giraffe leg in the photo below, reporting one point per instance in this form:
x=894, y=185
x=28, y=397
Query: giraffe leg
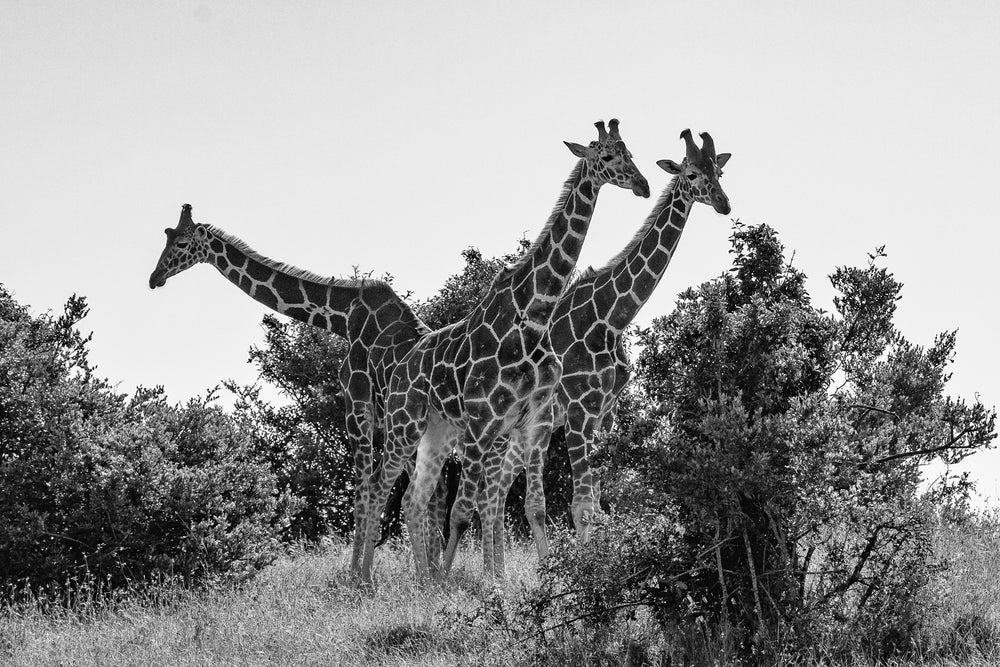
x=492, y=494
x=376, y=490
x=426, y=473
x=506, y=463
x=400, y=449
x=537, y=447
x=359, y=427
x=479, y=435
x=579, y=435
x=432, y=451
x=438, y=508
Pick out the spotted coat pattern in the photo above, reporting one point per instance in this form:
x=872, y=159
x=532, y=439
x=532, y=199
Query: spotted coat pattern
x=587, y=327
x=494, y=372
x=379, y=326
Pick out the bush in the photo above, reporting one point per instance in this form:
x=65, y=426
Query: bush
x=791, y=441
x=99, y=486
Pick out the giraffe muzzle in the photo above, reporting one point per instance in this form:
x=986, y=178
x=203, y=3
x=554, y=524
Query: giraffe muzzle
x=721, y=205
x=640, y=187
x=157, y=278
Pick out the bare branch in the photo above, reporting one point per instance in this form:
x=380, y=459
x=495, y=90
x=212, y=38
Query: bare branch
x=931, y=450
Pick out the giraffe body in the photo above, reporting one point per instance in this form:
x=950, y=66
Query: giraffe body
x=494, y=372
x=589, y=322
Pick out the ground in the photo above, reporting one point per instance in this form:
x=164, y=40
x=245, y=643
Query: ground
x=306, y=610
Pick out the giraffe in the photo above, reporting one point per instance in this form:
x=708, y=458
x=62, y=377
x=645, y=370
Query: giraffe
x=378, y=325
x=588, y=323
x=494, y=371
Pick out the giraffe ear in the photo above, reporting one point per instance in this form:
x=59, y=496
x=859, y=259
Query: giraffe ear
x=576, y=149
x=669, y=166
x=722, y=159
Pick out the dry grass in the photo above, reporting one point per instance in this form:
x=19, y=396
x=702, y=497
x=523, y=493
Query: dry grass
x=306, y=610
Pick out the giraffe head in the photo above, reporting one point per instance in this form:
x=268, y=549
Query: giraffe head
x=700, y=172
x=610, y=160
x=187, y=245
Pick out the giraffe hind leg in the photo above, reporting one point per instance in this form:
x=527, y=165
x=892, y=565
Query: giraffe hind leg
x=534, y=493
x=431, y=453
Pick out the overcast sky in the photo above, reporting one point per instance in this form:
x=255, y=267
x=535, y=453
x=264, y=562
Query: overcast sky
x=390, y=136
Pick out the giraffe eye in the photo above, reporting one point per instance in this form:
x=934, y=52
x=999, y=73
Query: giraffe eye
x=182, y=243
x=692, y=176
x=607, y=158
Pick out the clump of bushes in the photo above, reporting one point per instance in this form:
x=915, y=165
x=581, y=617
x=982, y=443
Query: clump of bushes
x=766, y=478
x=99, y=486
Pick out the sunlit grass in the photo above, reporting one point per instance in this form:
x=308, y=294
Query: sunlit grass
x=306, y=610
x=303, y=610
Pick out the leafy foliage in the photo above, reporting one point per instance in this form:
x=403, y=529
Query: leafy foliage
x=304, y=441
x=96, y=484
x=791, y=441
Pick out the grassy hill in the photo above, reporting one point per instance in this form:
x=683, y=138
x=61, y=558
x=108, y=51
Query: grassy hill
x=305, y=610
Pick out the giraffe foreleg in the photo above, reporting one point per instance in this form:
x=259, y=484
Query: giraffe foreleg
x=537, y=436
x=400, y=448
x=478, y=437
x=359, y=425
x=506, y=453
x=580, y=426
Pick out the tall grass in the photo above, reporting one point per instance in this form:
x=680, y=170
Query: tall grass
x=306, y=610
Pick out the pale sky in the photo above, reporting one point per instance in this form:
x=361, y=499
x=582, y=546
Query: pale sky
x=393, y=135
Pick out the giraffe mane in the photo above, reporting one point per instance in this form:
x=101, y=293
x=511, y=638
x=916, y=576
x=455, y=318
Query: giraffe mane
x=294, y=271
x=567, y=190
x=590, y=272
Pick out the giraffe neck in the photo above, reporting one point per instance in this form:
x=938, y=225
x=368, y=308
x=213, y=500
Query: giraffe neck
x=637, y=270
x=538, y=278
x=322, y=302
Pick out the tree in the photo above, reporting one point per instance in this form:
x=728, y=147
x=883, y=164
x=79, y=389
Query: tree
x=790, y=441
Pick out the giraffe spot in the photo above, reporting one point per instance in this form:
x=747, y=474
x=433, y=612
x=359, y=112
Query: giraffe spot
x=235, y=257
x=669, y=237
x=604, y=299
x=644, y=283
x=511, y=348
x=288, y=289
x=258, y=271
x=596, y=338
x=561, y=333
x=523, y=293
x=264, y=294
x=483, y=342
x=501, y=399
x=315, y=292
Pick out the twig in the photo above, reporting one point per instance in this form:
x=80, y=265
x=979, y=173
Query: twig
x=753, y=578
x=931, y=450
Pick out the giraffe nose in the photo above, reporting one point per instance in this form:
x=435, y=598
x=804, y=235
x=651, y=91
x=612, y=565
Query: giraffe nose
x=721, y=205
x=640, y=186
x=157, y=278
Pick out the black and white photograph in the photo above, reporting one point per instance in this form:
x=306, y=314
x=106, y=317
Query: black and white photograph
x=531, y=333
